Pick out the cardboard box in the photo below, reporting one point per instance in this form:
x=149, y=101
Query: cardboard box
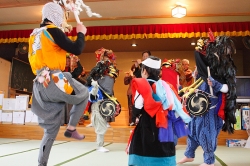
x=30, y=118
x=236, y=143
x=9, y=104
x=245, y=118
x=18, y=117
x=21, y=102
x=7, y=117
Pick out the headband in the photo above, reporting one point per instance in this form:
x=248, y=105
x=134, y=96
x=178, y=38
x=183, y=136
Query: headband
x=155, y=64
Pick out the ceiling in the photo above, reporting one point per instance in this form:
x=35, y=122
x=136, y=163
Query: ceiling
x=29, y=11
x=16, y=12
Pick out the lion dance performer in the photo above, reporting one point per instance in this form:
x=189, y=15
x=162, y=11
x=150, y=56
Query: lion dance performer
x=104, y=106
x=52, y=88
x=157, y=103
x=216, y=96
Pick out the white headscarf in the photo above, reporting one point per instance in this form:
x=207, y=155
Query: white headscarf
x=54, y=13
x=155, y=64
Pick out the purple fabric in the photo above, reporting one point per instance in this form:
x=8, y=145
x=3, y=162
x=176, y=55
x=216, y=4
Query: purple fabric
x=176, y=126
x=180, y=128
x=167, y=134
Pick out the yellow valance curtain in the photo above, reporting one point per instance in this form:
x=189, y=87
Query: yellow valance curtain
x=185, y=30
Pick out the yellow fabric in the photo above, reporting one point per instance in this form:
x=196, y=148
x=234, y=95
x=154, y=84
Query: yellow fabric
x=68, y=88
x=51, y=55
x=62, y=83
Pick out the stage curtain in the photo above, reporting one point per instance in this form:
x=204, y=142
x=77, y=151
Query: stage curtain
x=185, y=30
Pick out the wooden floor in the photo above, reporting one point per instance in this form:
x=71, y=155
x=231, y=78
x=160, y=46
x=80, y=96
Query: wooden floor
x=116, y=134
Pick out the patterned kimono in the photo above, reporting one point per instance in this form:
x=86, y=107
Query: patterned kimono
x=204, y=129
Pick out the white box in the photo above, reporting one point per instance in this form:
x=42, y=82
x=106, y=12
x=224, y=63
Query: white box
x=21, y=102
x=7, y=117
x=9, y=104
x=233, y=143
x=18, y=117
x=31, y=118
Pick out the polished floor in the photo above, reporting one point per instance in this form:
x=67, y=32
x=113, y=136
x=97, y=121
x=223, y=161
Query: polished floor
x=23, y=152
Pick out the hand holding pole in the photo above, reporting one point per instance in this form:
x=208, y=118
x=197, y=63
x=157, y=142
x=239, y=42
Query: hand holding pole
x=210, y=87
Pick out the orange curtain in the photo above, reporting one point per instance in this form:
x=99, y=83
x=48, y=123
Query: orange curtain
x=187, y=30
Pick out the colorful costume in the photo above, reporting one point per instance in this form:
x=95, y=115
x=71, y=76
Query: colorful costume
x=52, y=88
x=204, y=130
x=170, y=72
x=152, y=141
x=101, y=80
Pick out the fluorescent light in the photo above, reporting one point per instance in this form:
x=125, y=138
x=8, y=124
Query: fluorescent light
x=193, y=43
x=134, y=45
x=179, y=11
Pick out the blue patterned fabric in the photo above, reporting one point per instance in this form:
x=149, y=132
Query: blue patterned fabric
x=204, y=129
x=99, y=95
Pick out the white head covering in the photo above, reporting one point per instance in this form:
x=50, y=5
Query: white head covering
x=155, y=64
x=54, y=13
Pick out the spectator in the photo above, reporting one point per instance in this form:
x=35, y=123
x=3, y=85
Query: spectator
x=127, y=81
x=137, y=71
x=186, y=79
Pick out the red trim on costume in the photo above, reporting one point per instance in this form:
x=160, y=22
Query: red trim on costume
x=87, y=108
x=129, y=141
x=221, y=112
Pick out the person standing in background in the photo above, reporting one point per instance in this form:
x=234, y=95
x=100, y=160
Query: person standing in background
x=186, y=79
x=137, y=71
x=127, y=81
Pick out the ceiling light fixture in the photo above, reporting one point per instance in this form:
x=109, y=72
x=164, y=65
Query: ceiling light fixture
x=179, y=11
x=133, y=45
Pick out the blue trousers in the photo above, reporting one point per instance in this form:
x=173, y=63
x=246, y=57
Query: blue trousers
x=204, y=131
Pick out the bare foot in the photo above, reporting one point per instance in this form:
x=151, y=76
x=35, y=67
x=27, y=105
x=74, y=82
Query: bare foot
x=204, y=164
x=185, y=159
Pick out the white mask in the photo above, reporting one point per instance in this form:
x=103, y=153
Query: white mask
x=54, y=13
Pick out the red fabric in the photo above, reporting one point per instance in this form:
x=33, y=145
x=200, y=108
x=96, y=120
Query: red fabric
x=159, y=116
x=145, y=29
x=221, y=112
x=151, y=106
x=87, y=108
x=129, y=141
x=170, y=76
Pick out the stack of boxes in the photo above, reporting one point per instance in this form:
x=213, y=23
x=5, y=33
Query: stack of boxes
x=16, y=111
x=243, y=123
